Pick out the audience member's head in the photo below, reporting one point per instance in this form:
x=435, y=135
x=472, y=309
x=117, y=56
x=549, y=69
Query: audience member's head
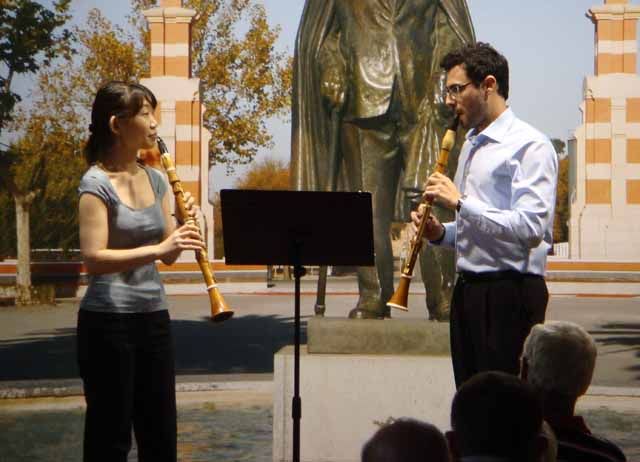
x=406, y=440
x=495, y=414
x=558, y=360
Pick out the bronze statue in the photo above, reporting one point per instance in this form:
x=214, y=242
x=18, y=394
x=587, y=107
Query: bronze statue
x=369, y=113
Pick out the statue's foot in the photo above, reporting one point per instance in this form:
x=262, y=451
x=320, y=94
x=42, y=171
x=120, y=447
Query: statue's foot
x=368, y=308
x=359, y=313
x=387, y=312
x=441, y=314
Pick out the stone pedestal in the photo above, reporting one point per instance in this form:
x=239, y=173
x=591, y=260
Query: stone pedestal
x=387, y=369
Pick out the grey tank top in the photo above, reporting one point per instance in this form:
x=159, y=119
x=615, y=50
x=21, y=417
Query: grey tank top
x=138, y=290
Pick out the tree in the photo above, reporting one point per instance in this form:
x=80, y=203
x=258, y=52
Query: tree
x=28, y=41
x=245, y=82
x=54, y=126
x=559, y=146
x=57, y=144
x=270, y=173
x=561, y=217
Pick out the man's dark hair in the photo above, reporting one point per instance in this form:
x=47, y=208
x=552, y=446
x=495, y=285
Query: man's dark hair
x=406, y=440
x=496, y=414
x=480, y=60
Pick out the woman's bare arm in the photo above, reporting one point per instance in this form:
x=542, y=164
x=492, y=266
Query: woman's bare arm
x=94, y=236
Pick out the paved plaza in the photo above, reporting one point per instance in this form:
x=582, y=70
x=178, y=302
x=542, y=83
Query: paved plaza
x=225, y=370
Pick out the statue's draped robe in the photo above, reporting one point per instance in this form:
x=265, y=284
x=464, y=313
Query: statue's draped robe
x=386, y=49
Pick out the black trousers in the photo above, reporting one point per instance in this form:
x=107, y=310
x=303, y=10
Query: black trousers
x=127, y=367
x=491, y=316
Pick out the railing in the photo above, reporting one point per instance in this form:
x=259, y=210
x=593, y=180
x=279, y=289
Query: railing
x=561, y=250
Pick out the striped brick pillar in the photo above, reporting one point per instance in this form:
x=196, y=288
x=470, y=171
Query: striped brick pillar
x=616, y=44
x=598, y=150
x=605, y=208
x=179, y=111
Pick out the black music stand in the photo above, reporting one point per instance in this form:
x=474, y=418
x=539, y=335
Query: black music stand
x=297, y=228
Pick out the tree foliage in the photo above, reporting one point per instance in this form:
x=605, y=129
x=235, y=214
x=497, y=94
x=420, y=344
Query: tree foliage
x=244, y=80
x=48, y=163
x=52, y=164
x=31, y=36
x=52, y=129
x=269, y=174
x=28, y=41
x=108, y=52
x=559, y=146
x=561, y=218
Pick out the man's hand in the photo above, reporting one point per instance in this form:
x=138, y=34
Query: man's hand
x=433, y=228
x=442, y=191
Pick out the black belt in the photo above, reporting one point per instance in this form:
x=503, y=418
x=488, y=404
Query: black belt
x=470, y=276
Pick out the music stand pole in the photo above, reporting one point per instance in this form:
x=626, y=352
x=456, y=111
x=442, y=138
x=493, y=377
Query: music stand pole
x=296, y=402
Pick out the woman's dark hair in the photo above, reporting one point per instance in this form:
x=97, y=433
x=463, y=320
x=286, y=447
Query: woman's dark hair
x=480, y=60
x=120, y=99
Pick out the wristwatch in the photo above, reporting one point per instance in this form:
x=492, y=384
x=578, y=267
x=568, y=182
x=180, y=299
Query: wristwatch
x=460, y=202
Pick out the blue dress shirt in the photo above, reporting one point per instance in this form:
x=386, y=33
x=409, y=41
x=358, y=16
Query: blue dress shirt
x=507, y=174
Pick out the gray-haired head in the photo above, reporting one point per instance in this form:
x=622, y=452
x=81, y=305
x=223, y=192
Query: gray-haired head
x=560, y=357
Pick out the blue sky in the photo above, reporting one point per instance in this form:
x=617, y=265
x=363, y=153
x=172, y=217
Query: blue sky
x=549, y=45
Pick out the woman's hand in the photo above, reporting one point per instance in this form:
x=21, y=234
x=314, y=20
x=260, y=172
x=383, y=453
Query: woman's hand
x=190, y=206
x=186, y=237
x=433, y=228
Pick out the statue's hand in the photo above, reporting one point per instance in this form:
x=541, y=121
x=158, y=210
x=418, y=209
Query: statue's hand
x=333, y=89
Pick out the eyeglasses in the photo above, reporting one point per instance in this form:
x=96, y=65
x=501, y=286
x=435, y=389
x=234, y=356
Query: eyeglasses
x=454, y=90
